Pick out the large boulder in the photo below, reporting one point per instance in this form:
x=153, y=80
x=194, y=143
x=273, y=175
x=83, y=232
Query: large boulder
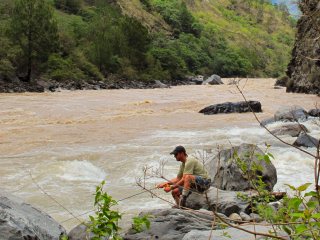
x=314, y=112
x=226, y=174
x=213, y=80
x=305, y=140
x=19, y=220
x=225, y=202
x=229, y=107
x=171, y=224
x=159, y=84
x=291, y=114
x=198, y=80
x=291, y=129
x=81, y=232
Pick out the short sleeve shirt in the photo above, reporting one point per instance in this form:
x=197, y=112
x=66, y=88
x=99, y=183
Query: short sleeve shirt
x=192, y=167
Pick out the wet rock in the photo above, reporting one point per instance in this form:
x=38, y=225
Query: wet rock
x=229, y=107
x=226, y=175
x=213, y=80
x=291, y=114
x=282, y=81
x=167, y=224
x=291, y=129
x=235, y=217
x=225, y=202
x=267, y=121
x=305, y=140
x=19, y=220
x=255, y=217
x=245, y=217
x=314, y=112
x=159, y=84
x=198, y=80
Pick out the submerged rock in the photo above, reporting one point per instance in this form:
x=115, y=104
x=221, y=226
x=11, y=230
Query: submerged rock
x=229, y=107
x=291, y=114
x=213, y=80
x=226, y=174
x=291, y=129
x=305, y=140
x=19, y=220
x=314, y=112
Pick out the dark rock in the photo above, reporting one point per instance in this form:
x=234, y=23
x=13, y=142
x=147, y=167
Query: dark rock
x=267, y=121
x=291, y=129
x=198, y=80
x=171, y=224
x=225, y=202
x=213, y=80
x=19, y=220
x=228, y=107
x=282, y=81
x=80, y=232
x=245, y=217
x=159, y=84
x=226, y=175
x=291, y=114
x=305, y=140
x=314, y=112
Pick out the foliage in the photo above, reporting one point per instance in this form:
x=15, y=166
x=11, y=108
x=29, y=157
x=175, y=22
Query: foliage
x=71, y=6
x=106, y=221
x=141, y=223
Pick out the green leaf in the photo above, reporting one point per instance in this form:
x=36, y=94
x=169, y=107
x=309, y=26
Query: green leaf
x=298, y=215
x=304, y=187
x=316, y=215
x=301, y=228
x=311, y=194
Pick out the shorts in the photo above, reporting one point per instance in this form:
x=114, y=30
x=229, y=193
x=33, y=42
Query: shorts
x=200, y=185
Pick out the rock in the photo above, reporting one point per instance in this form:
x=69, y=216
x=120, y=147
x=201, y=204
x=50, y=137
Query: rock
x=228, y=107
x=275, y=205
x=291, y=129
x=245, y=217
x=225, y=202
x=226, y=175
x=305, y=140
x=232, y=234
x=167, y=224
x=19, y=220
x=314, y=112
x=213, y=80
x=291, y=114
x=267, y=121
x=255, y=217
x=235, y=217
x=198, y=80
x=159, y=84
x=80, y=233
x=282, y=81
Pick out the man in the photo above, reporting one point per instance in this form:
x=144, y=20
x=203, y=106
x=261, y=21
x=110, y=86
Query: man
x=192, y=175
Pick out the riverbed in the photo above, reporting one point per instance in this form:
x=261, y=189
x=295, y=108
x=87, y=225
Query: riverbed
x=67, y=142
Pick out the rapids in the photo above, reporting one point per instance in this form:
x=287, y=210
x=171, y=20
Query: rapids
x=70, y=141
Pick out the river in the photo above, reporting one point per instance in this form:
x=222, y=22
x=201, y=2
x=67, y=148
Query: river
x=69, y=141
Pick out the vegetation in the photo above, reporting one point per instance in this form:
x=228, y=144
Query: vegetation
x=92, y=40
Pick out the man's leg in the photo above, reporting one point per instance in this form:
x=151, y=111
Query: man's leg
x=189, y=179
x=176, y=195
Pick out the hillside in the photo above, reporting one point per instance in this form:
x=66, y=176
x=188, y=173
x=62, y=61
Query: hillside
x=152, y=39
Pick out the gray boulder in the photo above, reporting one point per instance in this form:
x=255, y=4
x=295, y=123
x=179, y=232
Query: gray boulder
x=171, y=224
x=80, y=232
x=229, y=107
x=159, y=84
x=19, y=221
x=305, y=140
x=226, y=175
x=267, y=121
x=314, y=112
x=291, y=129
x=198, y=80
x=213, y=80
x=291, y=114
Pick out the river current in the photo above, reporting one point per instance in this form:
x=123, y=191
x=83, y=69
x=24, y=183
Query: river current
x=69, y=141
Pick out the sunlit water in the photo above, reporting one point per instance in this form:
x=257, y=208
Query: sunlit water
x=70, y=141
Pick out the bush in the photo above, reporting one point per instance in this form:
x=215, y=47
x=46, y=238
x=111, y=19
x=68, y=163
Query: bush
x=71, y=6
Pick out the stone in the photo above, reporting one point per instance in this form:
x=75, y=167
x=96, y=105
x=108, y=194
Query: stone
x=282, y=81
x=80, y=232
x=235, y=217
x=305, y=140
x=19, y=221
x=225, y=202
x=267, y=121
x=229, y=107
x=245, y=217
x=255, y=217
x=291, y=129
x=213, y=80
x=291, y=114
x=198, y=80
x=275, y=205
x=314, y=112
x=159, y=84
x=226, y=175
x=167, y=224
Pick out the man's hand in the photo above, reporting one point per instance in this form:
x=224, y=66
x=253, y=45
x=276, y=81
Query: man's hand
x=162, y=185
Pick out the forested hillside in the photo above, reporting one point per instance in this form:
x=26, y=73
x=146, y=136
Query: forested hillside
x=99, y=40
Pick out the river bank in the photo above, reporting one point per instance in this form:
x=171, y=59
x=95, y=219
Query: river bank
x=71, y=140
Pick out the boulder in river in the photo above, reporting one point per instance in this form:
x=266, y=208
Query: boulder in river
x=291, y=114
x=19, y=220
x=314, y=112
x=213, y=80
x=229, y=107
x=159, y=84
x=198, y=80
x=267, y=121
x=291, y=129
x=305, y=140
x=226, y=174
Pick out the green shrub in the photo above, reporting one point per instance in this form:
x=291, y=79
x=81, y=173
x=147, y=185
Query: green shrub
x=71, y=6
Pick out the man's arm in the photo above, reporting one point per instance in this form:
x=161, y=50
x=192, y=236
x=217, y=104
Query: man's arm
x=170, y=182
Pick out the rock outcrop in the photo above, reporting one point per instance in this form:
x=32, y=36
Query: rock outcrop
x=19, y=221
x=305, y=140
x=213, y=80
x=304, y=68
x=291, y=114
x=226, y=174
x=291, y=129
x=229, y=107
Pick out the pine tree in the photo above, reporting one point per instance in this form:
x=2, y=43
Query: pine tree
x=34, y=29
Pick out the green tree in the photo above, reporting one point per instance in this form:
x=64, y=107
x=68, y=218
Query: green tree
x=34, y=29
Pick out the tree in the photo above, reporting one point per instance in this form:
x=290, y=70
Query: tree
x=34, y=29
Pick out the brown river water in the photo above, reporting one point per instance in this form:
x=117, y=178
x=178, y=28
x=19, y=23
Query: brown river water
x=71, y=140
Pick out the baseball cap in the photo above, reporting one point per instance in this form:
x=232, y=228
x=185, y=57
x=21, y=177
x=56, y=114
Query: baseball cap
x=178, y=149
